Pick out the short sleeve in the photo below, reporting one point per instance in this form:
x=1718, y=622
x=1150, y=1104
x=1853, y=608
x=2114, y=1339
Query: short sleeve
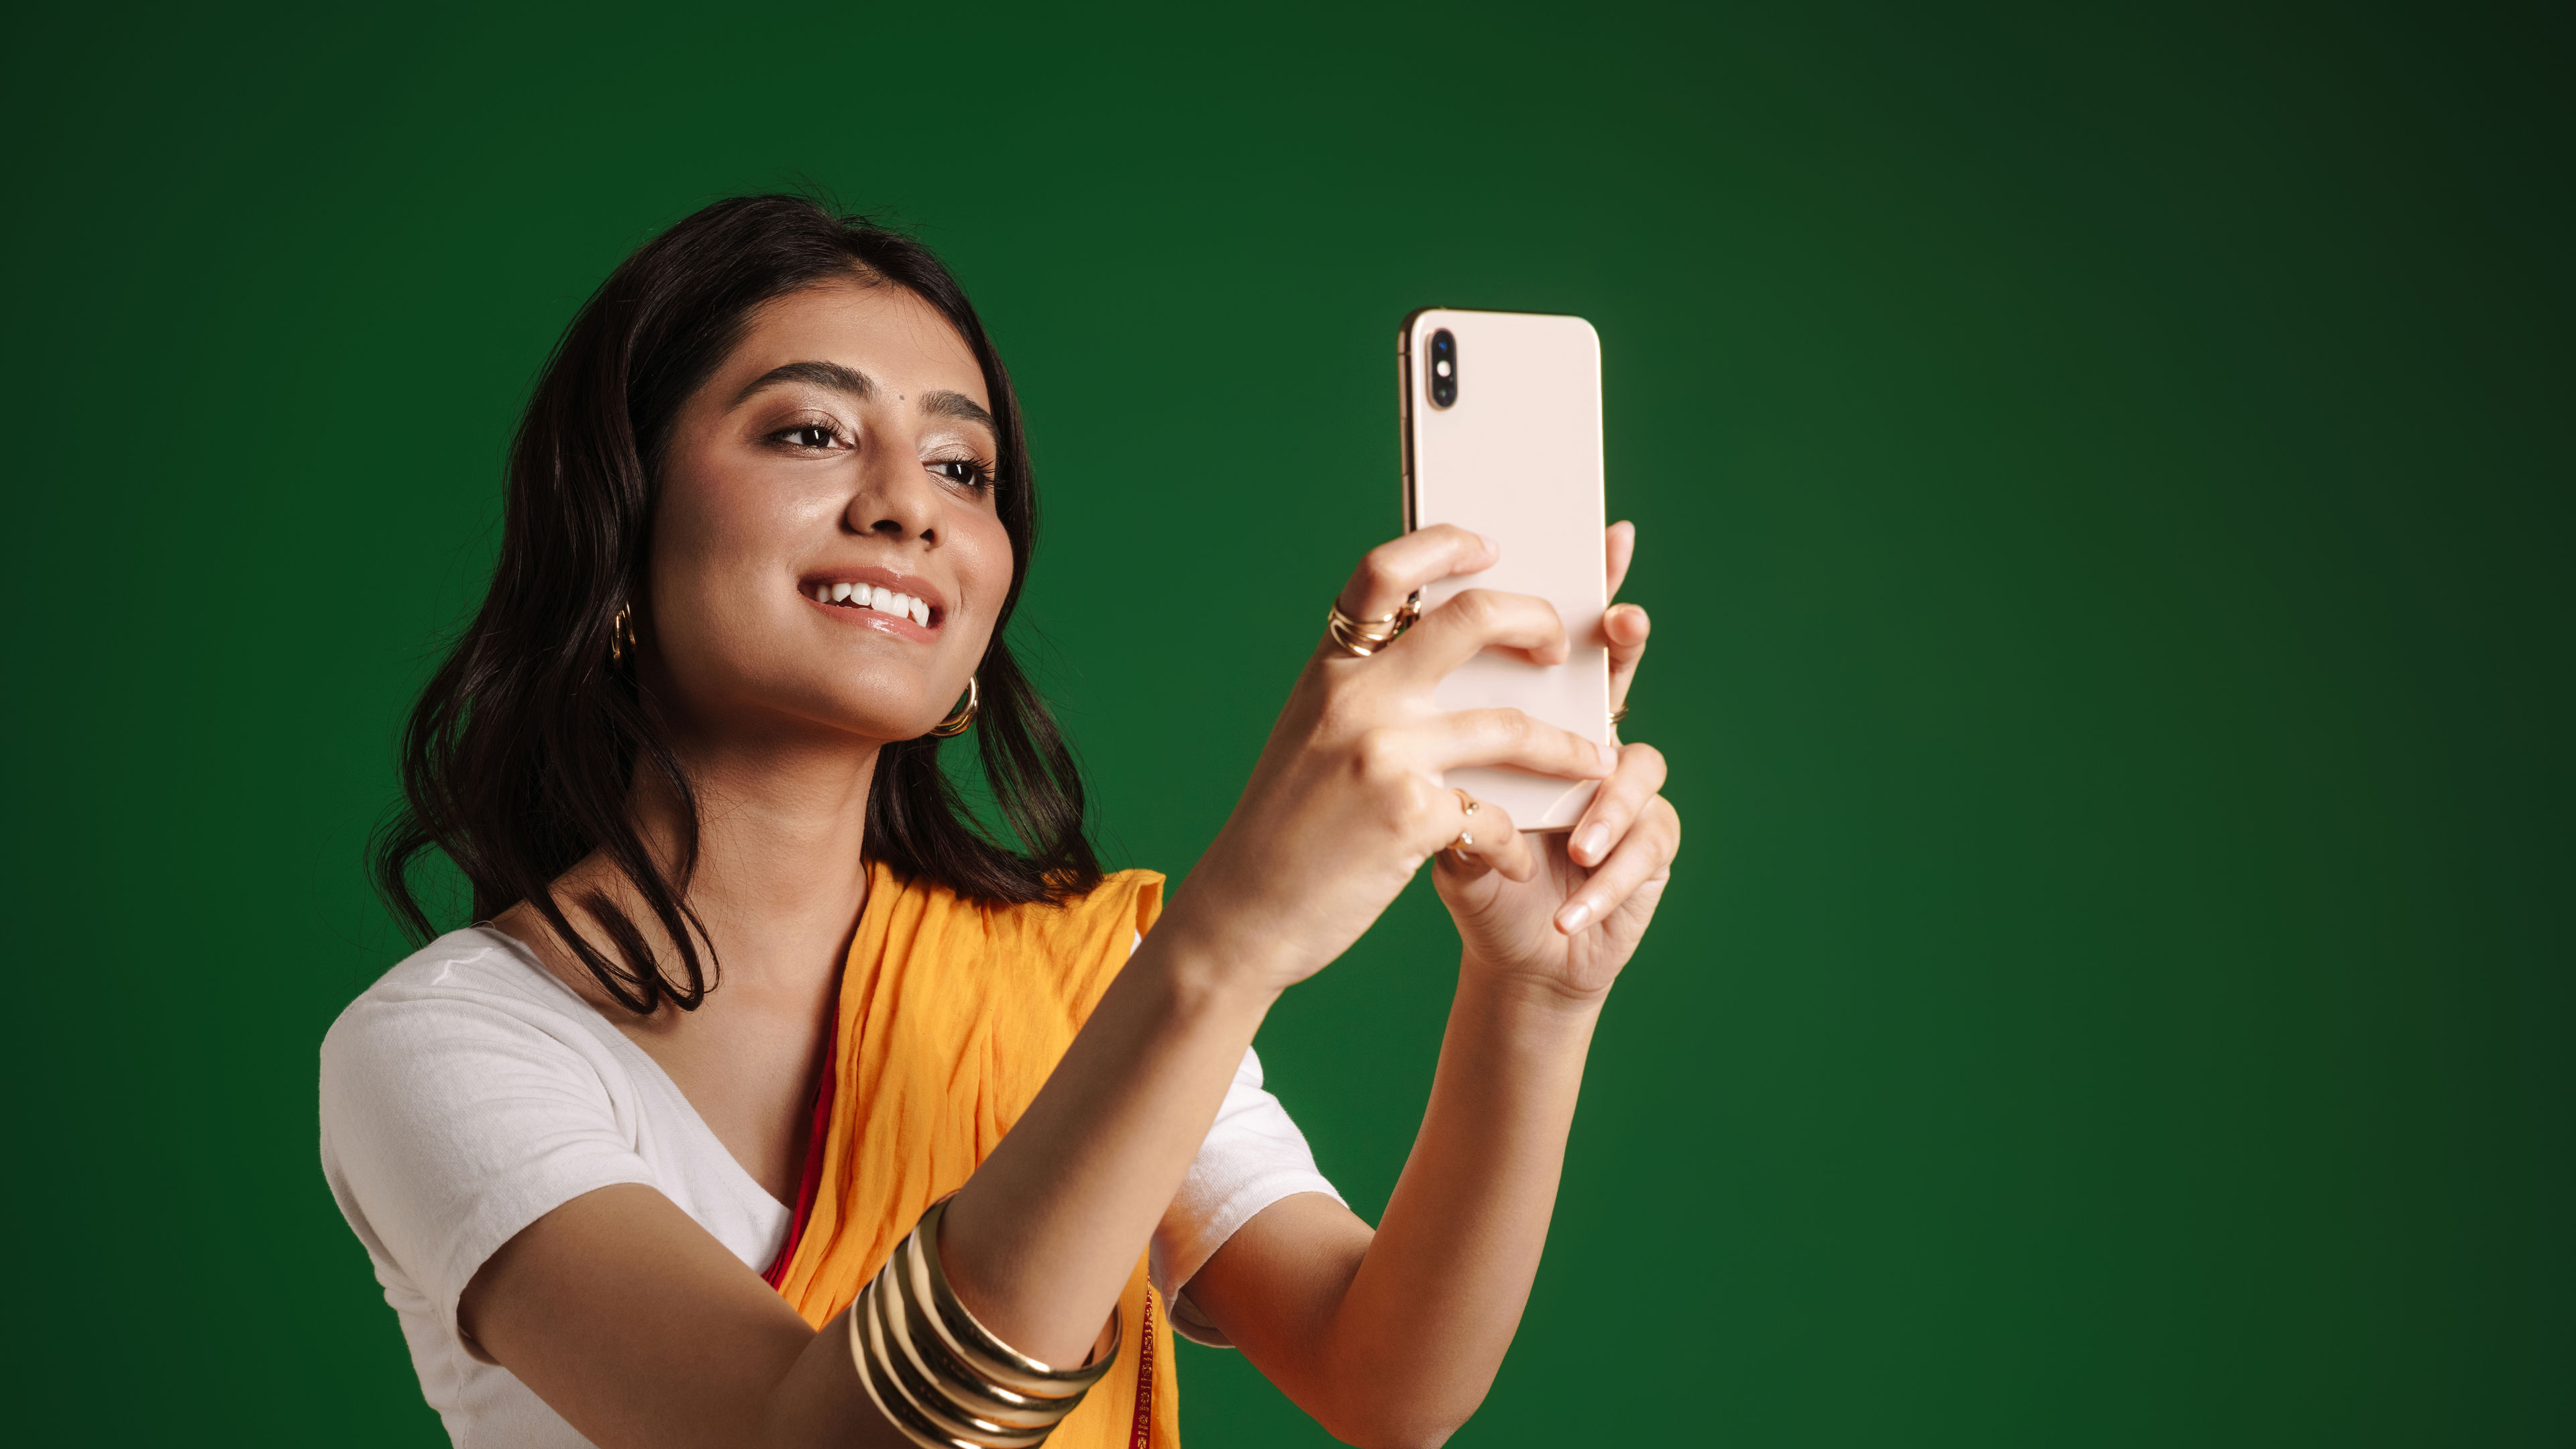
x=452, y=1121
x=1253, y=1156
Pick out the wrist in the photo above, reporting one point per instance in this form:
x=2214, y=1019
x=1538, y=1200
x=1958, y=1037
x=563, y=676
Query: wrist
x=1521, y=1029
x=1539, y=996
x=1208, y=964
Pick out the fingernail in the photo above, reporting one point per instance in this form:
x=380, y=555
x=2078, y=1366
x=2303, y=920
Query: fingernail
x=1609, y=757
x=1490, y=545
x=1574, y=918
x=1593, y=841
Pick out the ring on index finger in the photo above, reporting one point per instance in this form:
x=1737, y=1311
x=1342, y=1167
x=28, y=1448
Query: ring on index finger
x=1361, y=638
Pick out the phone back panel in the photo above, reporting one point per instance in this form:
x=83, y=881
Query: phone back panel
x=1517, y=458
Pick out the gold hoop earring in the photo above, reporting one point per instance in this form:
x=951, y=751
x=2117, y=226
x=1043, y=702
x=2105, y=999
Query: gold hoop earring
x=621, y=634
x=956, y=723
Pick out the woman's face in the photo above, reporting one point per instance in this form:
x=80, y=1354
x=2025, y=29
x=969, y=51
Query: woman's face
x=826, y=552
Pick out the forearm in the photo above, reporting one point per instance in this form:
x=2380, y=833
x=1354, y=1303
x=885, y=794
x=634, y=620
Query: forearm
x=1439, y=1293
x=1043, y=1238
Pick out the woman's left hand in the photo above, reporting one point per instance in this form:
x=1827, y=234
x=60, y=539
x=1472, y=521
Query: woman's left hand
x=1567, y=909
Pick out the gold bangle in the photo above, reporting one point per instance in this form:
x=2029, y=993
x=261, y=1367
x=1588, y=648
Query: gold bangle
x=956, y=1386
x=1006, y=1407
x=926, y=1413
x=977, y=1346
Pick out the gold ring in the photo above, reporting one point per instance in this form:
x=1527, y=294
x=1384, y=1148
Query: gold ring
x=1468, y=806
x=1361, y=638
x=1619, y=714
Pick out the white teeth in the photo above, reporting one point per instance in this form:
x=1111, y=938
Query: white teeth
x=869, y=596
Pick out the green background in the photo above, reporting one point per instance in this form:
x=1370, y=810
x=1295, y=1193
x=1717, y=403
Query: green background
x=2105, y=489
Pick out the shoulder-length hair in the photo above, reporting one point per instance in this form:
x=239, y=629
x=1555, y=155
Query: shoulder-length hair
x=520, y=758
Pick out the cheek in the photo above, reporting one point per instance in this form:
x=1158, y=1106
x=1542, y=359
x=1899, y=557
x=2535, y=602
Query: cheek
x=719, y=548
x=707, y=513
x=736, y=520
x=984, y=564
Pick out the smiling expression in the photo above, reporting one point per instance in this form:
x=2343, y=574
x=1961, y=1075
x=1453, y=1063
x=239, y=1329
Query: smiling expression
x=826, y=550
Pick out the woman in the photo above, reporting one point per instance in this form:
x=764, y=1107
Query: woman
x=756, y=994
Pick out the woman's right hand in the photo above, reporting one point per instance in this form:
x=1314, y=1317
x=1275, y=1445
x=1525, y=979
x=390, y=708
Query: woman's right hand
x=1346, y=803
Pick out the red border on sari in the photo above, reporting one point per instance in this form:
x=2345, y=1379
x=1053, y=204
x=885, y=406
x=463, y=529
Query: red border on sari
x=810, y=1184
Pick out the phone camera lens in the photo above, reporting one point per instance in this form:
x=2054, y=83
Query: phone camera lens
x=1444, y=368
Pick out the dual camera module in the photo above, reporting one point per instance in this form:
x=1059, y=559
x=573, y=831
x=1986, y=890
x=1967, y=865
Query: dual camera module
x=1444, y=368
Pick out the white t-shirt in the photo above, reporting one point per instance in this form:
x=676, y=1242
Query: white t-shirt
x=469, y=1092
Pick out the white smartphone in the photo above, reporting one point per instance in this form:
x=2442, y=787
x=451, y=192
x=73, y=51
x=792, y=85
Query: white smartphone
x=1502, y=435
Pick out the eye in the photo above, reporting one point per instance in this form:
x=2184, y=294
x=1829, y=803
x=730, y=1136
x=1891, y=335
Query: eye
x=964, y=472
x=807, y=435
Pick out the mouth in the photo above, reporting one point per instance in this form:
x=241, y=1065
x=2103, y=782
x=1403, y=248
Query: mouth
x=882, y=595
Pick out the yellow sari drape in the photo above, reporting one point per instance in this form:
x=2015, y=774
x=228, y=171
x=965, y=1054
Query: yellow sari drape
x=952, y=1013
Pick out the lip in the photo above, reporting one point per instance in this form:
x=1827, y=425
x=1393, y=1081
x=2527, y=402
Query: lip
x=884, y=578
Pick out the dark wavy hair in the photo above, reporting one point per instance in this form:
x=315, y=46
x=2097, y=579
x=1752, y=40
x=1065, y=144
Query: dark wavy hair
x=521, y=757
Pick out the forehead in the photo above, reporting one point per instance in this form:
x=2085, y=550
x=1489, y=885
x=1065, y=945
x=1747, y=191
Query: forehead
x=881, y=329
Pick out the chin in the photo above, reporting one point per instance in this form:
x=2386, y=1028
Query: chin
x=868, y=701
x=888, y=709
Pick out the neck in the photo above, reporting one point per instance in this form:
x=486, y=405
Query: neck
x=782, y=830
x=781, y=873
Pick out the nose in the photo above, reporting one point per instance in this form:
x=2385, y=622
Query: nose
x=896, y=501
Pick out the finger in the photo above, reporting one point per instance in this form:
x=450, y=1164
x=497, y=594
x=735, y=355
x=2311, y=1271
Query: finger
x=1509, y=739
x=1473, y=622
x=1619, y=549
x=1492, y=843
x=1615, y=806
x=1391, y=572
x=1625, y=627
x=1646, y=854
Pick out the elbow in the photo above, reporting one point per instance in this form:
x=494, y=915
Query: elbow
x=1395, y=1436
x=1413, y=1392
x=1396, y=1425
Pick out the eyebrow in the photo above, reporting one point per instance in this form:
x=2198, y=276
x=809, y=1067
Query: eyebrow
x=941, y=403
x=946, y=404
x=821, y=374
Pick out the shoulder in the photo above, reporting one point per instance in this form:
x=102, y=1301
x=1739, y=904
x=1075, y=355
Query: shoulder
x=464, y=1095
x=451, y=977
x=1128, y=899
x=456, y=1006
x=1067, y=949
x=1121, y=905
x=467, y=1065
x=1098, y=927
x=1133, y=896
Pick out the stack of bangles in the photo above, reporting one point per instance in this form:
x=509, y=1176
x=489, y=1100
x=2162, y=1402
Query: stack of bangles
x=943, y=1378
